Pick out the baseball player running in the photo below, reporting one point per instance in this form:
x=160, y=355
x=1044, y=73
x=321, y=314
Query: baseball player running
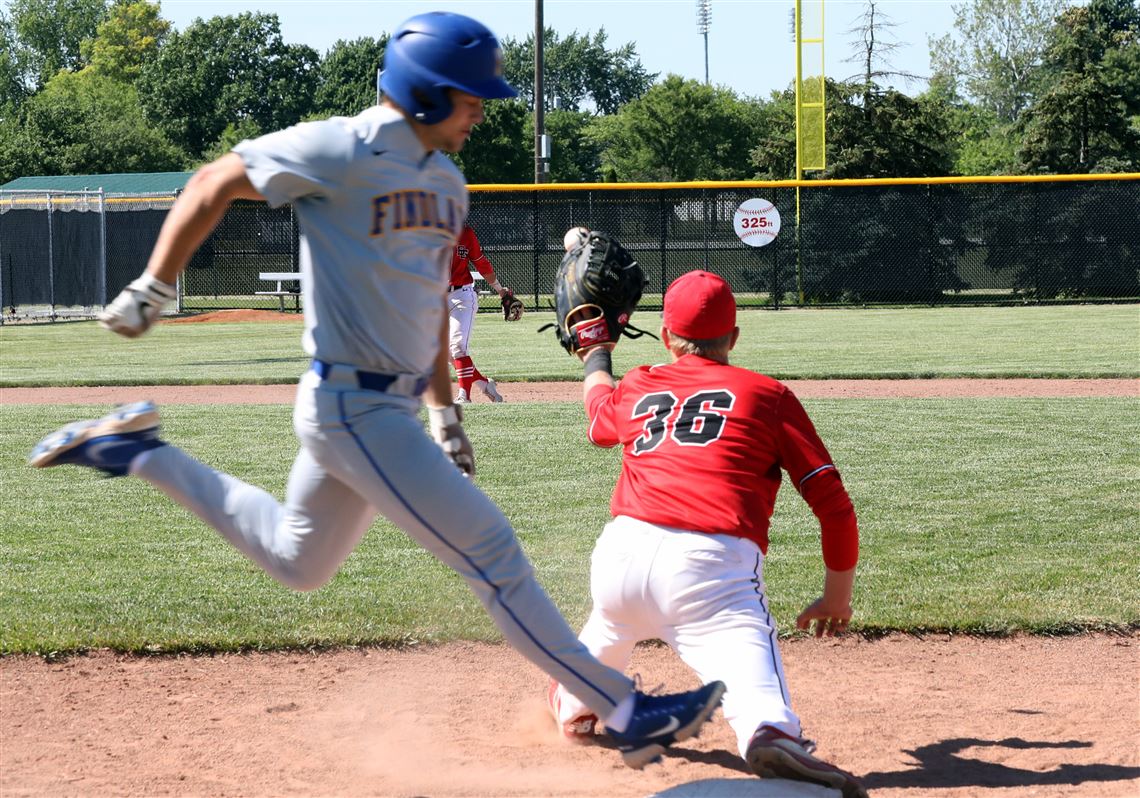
x=703, y=446
x=380, y=209
x=463, y=302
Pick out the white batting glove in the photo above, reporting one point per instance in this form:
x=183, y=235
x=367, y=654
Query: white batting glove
x=447, y=430
x=137, y=306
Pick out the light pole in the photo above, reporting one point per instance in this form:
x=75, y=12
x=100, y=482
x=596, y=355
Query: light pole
x=541, y=142
x=704, y=17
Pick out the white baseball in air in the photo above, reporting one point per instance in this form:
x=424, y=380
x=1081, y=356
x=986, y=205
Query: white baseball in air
x=574, y=236
x=756, y=222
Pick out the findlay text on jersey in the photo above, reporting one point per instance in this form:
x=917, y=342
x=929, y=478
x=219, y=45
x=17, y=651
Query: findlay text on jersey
x=408, y=209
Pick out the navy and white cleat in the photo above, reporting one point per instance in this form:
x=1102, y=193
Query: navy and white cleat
x=109, y=443
x=660, y=721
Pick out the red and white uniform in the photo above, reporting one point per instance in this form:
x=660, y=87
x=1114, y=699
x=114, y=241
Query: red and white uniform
x=462, y=304
x=704, y=448
x=463, y=300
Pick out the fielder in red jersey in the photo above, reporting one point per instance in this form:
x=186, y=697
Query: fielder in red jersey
x=462, y=303
x=704, y=447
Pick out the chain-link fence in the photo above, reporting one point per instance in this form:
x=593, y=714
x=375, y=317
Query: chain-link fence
x=971, y=242
x=939, y=241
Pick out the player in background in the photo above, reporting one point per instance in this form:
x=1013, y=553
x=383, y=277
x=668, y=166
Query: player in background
x=380, y=208
x=463, y=302
x=703, y=446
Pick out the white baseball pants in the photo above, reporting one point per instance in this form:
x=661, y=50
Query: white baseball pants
x=462, y=303
x=704, y=596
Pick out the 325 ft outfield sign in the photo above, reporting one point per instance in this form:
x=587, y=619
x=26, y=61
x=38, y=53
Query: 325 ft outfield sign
x=756, y=222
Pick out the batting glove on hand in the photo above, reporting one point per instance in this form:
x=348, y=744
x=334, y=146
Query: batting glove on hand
x=447, y=431
x=137, y=306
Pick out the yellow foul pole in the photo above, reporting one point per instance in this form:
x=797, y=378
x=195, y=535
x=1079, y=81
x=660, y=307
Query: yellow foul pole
x=799, y=147
x=811, y=140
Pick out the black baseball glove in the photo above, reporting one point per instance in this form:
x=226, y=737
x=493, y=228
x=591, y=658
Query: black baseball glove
x=596, y=290
x=512, y=305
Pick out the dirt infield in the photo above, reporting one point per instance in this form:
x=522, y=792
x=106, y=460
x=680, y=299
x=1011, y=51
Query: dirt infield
x=936, y=717
x=939, y=716
x=572, y=391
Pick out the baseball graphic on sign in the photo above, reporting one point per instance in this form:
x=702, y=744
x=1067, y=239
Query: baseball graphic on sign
x=756, y=222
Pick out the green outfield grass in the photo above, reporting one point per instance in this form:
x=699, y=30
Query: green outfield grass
x=1061, y=341
x=977, y=516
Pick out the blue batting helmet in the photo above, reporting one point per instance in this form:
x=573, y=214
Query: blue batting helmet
x=431, y=53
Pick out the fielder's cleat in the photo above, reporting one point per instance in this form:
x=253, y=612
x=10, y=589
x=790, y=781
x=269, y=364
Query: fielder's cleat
x=109, y=443
x=462, y=398
x=581, y=728
x=487, y=387
x=660, y=721
x=774, y=755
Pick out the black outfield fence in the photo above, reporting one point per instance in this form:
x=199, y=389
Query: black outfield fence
x=883, y=242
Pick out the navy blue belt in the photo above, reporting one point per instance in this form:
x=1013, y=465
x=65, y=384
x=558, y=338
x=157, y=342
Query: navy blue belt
x=369, y=380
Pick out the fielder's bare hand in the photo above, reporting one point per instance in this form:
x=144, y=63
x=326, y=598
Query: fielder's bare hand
x=828, y=621
x=137, y=306
x=830, y=614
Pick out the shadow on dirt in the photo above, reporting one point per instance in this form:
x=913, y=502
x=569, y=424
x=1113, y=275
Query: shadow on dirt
x=941, y=765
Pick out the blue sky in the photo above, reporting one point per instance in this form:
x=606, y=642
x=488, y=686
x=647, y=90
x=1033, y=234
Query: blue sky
x=750, y=46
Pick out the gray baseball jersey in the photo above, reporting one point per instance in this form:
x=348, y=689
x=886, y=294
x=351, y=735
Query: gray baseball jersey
x=370, y=300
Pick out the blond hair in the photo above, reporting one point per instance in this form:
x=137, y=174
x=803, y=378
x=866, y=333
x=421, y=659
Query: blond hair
x=714, y=348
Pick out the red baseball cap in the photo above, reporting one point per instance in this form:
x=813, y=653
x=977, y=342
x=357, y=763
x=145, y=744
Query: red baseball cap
x=699, y=306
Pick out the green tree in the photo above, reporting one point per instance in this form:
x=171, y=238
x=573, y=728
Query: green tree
x=1083, y=122
x=987, y=146
x=579, y=70
x=234, y=134
x=225, y=70
x=680, y=130
x=996, y=53
x=12, y=89
x=129, y=37
x=346, y=79
x=86, y=123
x=20, y=153
x=497, y=151
x=981, y=144
x=51, y=33
x=1122, y=60
x=575, y=157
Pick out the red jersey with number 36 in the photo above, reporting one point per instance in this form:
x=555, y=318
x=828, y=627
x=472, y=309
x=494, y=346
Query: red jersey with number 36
x=703, y=445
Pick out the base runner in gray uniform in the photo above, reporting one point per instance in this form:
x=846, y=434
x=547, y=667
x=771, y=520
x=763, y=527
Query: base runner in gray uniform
x=380, y=208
